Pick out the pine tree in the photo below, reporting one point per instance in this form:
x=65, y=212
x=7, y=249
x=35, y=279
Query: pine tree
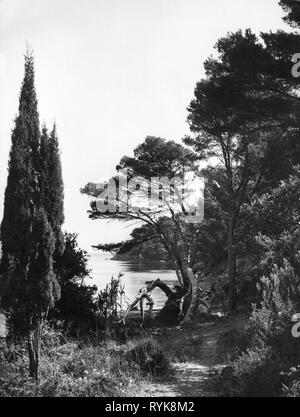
x=28, y=284
x=292, y=8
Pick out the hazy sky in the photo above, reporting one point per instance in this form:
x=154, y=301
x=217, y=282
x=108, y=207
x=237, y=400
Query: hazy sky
x=111, y=72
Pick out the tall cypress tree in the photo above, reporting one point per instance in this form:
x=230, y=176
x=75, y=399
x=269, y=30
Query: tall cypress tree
x=52, y=185
x=28, y=283
x=22, y=187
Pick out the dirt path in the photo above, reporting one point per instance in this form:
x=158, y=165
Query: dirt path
x=196, y=354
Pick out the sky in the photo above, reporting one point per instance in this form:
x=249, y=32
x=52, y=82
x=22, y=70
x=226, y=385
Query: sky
x=109, y=73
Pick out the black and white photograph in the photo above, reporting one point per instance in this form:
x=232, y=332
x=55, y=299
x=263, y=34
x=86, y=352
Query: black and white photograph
x=149, y=201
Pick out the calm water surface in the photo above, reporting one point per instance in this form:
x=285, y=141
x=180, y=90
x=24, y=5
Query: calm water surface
x=135, y=275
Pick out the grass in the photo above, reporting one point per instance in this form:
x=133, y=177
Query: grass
x=81, y=369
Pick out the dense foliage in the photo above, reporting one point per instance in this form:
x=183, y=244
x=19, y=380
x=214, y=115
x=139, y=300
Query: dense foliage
x=76, y=307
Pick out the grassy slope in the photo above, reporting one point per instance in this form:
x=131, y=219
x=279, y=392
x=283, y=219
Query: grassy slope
x=144, y=366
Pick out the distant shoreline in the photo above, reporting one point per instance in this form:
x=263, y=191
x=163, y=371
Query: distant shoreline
x=131, y=258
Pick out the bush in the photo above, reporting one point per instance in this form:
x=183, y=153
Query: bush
x=291, y=385
x=268, y=350
x=150, y=358
x=253, y=374
x=51, y=338
x=76, y=307
x=294, y=390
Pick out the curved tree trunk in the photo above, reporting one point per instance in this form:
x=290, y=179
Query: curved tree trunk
x=179, y=277
x=193, y=293
x=139, y=300
x=190, y=286
x=178, y=298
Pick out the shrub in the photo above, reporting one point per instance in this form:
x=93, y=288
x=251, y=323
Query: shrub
x=260, y=369
x=108, y=301
x=76, y=306
x=51, y=338
x=150, y=358
x=291, y=386
x=253, y=374
x=268, y=350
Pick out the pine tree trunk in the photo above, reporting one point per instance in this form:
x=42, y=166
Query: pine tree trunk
x=179, y=276
x=231, y=266
x=194, y=295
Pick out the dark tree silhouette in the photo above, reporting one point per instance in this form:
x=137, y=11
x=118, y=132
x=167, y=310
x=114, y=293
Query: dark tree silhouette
x=30, y=228
x=52, y=185
x=242, y=111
